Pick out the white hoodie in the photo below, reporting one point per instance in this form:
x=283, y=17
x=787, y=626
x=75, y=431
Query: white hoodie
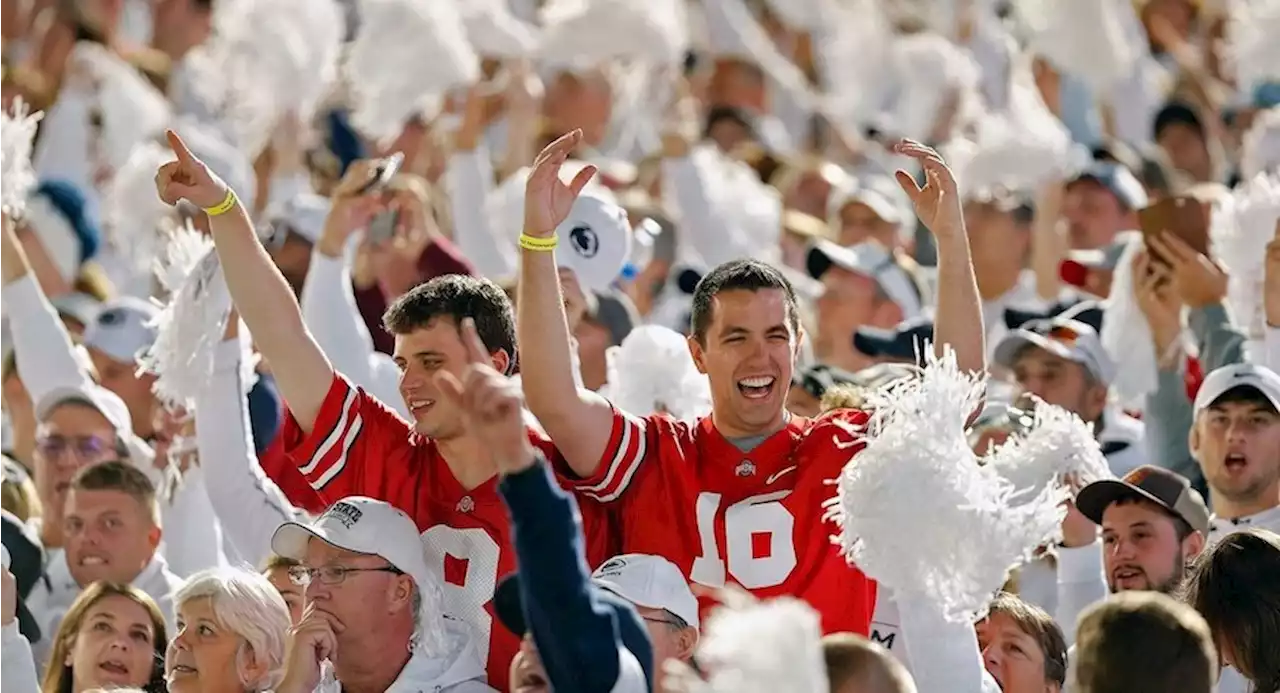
x=458, y=671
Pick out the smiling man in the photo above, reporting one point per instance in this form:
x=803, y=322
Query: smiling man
x=1236, y=440
x=112, y=528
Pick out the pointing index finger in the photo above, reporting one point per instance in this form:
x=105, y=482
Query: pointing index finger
x=179, y=147
x=476, y=353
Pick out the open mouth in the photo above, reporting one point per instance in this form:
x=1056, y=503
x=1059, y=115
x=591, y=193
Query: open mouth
x=420, y=406
x=1127, y=573
x=758, y=387
x=1235, y=462
x=92, y=561
x=114, y=667
x=182, y=670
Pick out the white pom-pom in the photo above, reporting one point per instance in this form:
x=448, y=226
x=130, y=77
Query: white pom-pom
x=495, y=32
x=17, y=133
x=1252, y=48
x=1058, y=444
x=192, y=323
x=1240, y=228
x=132, y=109
x=274, y=57
x=1087, y=39
x=918, y=512
x=1260, y=150
x=652, y=372
x=652, y=31
x=135, y=218
x=756, y=647
x=405, y=53
x=929, y=70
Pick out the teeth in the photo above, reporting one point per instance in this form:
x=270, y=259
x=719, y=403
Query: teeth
x=92, y=560
x=763, y=381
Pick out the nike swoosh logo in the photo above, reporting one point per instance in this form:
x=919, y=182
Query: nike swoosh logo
x=776, y=475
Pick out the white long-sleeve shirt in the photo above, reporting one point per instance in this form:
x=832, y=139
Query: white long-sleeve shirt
x=468, y=181
x=330, y=312
x=17, y=663
x=248, y=504
x=47, y=361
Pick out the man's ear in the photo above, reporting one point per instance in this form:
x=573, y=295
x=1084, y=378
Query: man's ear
x=153, y=537
x=501, y=361
x=402, y=594
x=1192, y=546
x=696, y=351
x=688, y=640
x=1193, y=440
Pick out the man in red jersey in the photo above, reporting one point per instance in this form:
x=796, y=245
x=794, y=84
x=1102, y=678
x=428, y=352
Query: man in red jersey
x=347, y=443
x=737, y=496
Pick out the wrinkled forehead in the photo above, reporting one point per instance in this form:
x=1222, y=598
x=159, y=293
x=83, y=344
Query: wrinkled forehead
x=321, y=552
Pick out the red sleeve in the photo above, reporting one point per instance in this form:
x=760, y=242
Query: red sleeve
x=348, y=451
x=628, y=446
x=280, y=468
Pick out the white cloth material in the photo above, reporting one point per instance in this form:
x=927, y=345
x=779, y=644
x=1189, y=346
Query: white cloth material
x=459, y=671
x=1268, y=519
x=945, y=654
x=1127, y=338
x=1119, y=427
x=1271, y=348
x=1081, y=582
x=248, y=504
x=193, y=535
x=17, y=663
x=1038, y=582
x=468, y=180
x=330, y=312
x=53, y=595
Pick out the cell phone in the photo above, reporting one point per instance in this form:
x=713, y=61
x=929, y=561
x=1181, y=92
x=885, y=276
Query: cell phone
x=1183, y=216
x=383, y=226
x=387, y=168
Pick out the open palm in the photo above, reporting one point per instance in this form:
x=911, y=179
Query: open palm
x=937, y=204
x=547, y=199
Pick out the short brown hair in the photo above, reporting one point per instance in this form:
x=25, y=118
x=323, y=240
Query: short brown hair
x=122, y=477
x=275, y=561
x=852, y=657
x=1236, y=588
x=1140, y=642
x=1038, y=624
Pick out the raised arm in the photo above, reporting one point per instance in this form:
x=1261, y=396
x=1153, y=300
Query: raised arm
x=579, y=422
x=46, y=356
x=958, y=323
x=260, y=292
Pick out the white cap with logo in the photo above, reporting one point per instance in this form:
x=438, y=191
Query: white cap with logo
x=1238, y=375
x=595, y=240
x=374, y=527
x=649, y=581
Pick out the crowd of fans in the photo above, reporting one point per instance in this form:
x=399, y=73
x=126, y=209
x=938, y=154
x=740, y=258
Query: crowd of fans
x=682, y=346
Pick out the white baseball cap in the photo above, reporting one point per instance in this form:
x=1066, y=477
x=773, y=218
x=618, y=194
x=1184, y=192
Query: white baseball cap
x=303, y=214
x=123, y=328
x=869, y=259
x=363, y=525
x=107, y=403
x=595, y=241
x=1228, y=378
x=1065, y=338
x=649, y=581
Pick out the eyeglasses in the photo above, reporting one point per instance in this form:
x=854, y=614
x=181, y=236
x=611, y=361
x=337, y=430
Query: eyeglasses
x=333, y=574
x=84, y=447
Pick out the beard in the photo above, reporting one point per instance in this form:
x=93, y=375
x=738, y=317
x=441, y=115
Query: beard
x=1168, y=585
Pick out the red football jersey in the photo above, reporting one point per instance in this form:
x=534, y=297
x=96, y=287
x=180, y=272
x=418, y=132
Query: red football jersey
x=360, y=447
x=754, y=518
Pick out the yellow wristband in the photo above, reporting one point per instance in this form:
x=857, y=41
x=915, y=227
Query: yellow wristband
x=222, y=207
x=538, y=244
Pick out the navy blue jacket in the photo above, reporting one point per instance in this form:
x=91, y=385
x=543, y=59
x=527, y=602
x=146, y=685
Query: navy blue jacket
x=579, y=629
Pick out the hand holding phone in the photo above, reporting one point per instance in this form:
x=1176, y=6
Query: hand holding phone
x=1182, y=216
x=386, y=169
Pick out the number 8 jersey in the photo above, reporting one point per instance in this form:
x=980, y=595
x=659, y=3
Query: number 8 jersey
x=359, y=447
x=725, y=514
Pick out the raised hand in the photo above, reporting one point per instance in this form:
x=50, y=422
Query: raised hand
x=188, y=178
x=491, y=404
x=1271, y=282
x=938, y=202
x=547, y=200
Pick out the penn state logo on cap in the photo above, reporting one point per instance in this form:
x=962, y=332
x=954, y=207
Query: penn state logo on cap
x=584, y=241
x=345, y=513
x=595, y=240
x=611, y=565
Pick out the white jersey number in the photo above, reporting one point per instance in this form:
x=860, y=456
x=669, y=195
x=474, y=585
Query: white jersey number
x=762, y=517
x=466, y=602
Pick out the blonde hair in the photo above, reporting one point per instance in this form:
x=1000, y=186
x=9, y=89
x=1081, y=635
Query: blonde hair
x=248, y=605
